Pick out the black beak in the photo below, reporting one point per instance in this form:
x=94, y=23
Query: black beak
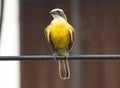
x=52, y=12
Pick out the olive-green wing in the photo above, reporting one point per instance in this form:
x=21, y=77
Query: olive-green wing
x=47, y=35
x=72, y=37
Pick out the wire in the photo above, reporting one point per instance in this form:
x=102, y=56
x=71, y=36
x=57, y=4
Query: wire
x=49, y=57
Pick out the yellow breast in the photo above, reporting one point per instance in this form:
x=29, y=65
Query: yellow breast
x=60, y=34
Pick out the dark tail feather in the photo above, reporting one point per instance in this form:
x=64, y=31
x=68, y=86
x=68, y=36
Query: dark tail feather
x=64, y=69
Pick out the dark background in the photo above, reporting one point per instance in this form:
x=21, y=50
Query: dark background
x=97, y=25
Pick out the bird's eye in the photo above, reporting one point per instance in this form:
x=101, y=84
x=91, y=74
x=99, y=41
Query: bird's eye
x=58, y=12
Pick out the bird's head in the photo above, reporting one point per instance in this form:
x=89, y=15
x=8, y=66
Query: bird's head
x=56, y=13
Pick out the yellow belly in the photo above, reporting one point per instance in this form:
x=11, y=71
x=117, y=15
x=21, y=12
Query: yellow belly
x=60, y=36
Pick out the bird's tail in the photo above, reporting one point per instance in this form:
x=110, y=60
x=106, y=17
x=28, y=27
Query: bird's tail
x=64, y=69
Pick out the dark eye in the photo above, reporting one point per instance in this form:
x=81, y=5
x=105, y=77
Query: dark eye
x=58, y=12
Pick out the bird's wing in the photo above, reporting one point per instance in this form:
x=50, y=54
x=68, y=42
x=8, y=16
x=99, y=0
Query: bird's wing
x=72, y=37
x=47, y=35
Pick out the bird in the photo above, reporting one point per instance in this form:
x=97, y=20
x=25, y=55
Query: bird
x=60, y=36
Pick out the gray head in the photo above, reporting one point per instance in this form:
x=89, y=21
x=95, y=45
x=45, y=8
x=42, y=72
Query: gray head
x=58, y=13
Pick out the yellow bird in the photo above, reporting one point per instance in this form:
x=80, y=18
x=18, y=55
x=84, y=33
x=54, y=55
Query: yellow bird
x=60, y=37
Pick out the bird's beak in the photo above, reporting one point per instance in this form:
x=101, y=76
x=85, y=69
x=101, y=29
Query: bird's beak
x=51, y=12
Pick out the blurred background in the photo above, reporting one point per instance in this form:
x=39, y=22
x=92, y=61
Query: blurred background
x=97, y=25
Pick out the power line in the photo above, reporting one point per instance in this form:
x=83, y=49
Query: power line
x=50, y=57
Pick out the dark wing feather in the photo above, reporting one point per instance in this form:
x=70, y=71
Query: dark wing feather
x=47, y=35
x=72, y=38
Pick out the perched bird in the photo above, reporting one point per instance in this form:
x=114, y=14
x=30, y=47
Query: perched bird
x=60, y=37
